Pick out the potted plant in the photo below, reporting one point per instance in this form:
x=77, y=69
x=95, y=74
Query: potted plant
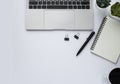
x=102, y=5
x=115, y=10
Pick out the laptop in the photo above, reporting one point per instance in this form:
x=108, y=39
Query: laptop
x=59, y=15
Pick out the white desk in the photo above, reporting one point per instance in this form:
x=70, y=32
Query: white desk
x=43, y=57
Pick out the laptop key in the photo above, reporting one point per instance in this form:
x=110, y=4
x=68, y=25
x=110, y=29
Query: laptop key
x=87, y=2
x=34, y=7
x=78, y=2
x=61, y=2
x=87, y=7
x=57, y=2
x=84, y=2
x=43, y=7
x=65, y=2
x=48, y=2
x=83, y=7
x=75, y=7
x=30, y=2
x=69, y=2
x=70, y=7
x=56, y=7
x=44, y=2
x=79, y=7
x=40, y=2
x=30, y=7
x=53, y=2
x=34, y=3
x=39, y=7
x=74, y=2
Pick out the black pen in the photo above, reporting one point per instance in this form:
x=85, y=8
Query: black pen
x=86, y=42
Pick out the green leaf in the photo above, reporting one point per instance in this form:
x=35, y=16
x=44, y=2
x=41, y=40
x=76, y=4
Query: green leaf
x=103, y=3
x=115, y=9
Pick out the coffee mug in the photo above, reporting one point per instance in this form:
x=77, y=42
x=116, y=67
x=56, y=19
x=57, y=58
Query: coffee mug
x=114, y=76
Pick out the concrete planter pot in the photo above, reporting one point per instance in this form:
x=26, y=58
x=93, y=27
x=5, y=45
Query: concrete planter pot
x=102, y=10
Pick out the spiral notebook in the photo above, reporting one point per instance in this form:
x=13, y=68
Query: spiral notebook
x=107, y=41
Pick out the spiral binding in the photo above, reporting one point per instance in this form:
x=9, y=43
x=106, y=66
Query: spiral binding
x=98, y=34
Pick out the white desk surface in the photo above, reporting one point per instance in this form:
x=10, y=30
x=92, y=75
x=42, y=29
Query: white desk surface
x=43, y=57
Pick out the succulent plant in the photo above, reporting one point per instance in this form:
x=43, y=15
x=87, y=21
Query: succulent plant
x=115, y=9
x=103, y=3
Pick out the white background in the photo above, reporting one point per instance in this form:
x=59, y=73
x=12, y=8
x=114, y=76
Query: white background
x=43, y=57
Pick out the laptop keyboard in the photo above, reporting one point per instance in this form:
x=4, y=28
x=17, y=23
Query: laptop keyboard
x=59, y=4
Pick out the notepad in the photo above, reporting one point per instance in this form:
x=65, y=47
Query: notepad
x=107, y=41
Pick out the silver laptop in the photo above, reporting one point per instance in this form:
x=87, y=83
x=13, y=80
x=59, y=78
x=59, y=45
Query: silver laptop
x=59, y=15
